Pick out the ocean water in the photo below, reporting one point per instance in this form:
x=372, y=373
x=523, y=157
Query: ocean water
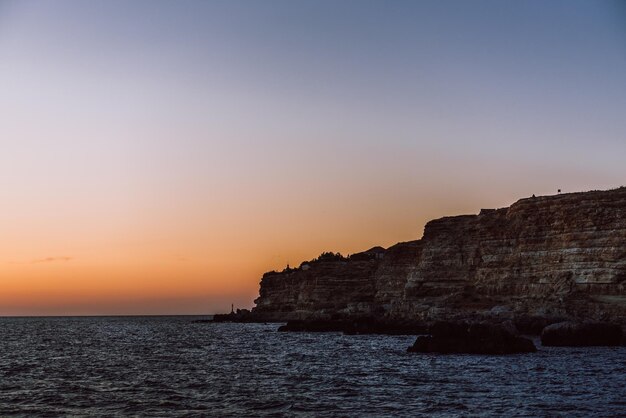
x=169, y=366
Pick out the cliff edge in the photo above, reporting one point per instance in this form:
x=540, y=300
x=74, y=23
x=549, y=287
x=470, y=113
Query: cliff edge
x=561, y=255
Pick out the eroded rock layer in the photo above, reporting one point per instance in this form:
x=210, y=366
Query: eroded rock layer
x=562, y=255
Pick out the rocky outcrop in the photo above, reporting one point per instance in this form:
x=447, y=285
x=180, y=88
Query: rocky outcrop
x=325, y=288
x=241, y=315
x=560, y=256
x=472, y=338
x=572, y=334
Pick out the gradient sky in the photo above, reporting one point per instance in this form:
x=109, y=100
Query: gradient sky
x=158, y=157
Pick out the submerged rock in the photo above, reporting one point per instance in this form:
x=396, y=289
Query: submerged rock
x=575, y=334
x=472, y=338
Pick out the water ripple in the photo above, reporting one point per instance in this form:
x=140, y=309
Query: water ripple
x=169, y=366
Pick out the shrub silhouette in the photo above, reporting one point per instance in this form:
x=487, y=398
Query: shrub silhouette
x=330, y=256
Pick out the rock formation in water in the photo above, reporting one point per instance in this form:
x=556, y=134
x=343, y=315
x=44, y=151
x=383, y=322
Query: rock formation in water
x=472, y=338
x=552, y=256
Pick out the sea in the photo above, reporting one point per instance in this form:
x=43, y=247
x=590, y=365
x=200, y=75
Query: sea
x=173, y=366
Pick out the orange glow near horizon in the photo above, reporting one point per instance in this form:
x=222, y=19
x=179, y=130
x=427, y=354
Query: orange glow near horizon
x=187, y=265
x=198, y=260
x=158, y=270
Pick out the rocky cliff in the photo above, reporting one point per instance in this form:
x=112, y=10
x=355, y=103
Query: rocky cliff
x=562, y=255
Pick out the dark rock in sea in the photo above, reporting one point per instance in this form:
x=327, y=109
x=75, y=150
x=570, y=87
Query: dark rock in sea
x=586, y=334
x=355, y=326
x=472, y=338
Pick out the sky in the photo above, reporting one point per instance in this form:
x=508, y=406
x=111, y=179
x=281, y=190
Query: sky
x=158, y=156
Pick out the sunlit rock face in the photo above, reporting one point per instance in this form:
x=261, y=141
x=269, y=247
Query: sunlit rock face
x=552, y=255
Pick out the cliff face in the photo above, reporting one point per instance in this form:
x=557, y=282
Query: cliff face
x=560, y=255
x=321, y=290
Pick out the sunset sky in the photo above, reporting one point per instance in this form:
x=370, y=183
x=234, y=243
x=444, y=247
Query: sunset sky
x=158, y=157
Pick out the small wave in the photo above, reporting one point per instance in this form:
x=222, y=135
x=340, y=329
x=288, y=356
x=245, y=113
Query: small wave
x=165, y=367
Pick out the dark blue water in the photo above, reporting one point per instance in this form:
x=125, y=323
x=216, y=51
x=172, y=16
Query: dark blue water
x=169, y=366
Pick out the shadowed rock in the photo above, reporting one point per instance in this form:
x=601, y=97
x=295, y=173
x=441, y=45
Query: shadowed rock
x=573, y=334
x=473, y=338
